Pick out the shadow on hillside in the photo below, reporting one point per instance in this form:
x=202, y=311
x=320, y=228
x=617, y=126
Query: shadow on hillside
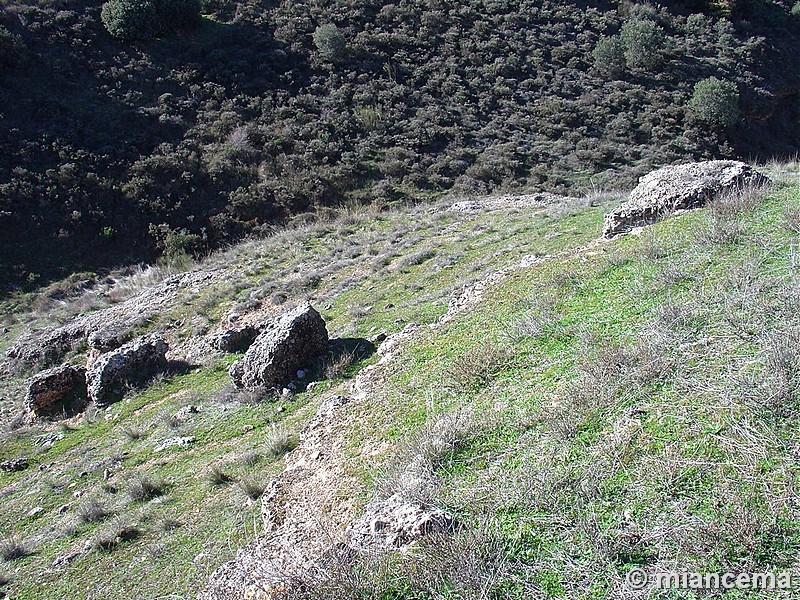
x=343, y=354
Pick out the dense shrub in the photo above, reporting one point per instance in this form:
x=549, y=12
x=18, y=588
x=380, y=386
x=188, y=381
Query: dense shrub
x=609, y=56
x=644, y=43
x=330, y=42
x=240, y=129
x=10, y=48
x=715, y=102
x=130, y=19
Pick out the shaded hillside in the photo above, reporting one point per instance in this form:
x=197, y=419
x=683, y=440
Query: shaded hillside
x=112, y=152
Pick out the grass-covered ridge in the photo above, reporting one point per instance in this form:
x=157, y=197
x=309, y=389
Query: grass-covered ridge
x=620, y=403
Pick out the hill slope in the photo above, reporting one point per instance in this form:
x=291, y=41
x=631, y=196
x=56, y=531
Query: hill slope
x=601, y=405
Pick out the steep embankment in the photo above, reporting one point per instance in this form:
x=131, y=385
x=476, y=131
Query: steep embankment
x=113, y=152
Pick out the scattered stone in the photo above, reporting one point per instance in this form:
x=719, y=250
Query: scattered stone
x=396, y=522
x=14, y=465
x=185, y=412
x=35, y=511
x=57, y=391
x=48, y=439
x=286, y=344
x=70, y=556
x=681, y=187
x=183, y=442
x=113, y=373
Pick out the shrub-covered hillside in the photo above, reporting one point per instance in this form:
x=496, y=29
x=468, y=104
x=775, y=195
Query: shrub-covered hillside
x=180, y=134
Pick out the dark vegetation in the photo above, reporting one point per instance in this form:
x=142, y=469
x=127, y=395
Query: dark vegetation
x=179, y=135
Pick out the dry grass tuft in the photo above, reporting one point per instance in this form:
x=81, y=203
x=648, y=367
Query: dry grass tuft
x=93, y=511
x=253, y=487
x=477, y=367
x=119, y=531
x=279, y=441
x=13, y=549
x=217, y=476
x=144, y=487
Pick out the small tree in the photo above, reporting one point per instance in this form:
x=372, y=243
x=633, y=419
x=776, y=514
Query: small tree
x=609, y=56
x=715, y=102
x=330, y=42
x=644, y=43
x=130, y=19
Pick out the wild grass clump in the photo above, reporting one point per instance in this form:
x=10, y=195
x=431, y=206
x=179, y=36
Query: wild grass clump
x=791, y=219
x=724, y=215
x=117, y=532
x=413, y=472
x=13, y=549
x=250, y=458
x=134, y=433
x=253, y=487
x=93, y=511
x=477, y=367
x=336, y=366
x=278, y=442
x=144, y=487
x=782, y=370
x=217, y=476
x=470, y=563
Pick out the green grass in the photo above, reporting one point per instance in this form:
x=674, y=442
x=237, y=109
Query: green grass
x=642, y=424
x=360, y=262
x=592, y=462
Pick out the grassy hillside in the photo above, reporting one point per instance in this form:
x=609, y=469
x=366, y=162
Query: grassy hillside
x=625, y=403
x=367, y=272
x=114, y=151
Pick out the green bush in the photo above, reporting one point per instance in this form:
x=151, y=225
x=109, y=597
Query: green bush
x=715, y=102
x=644, y=43
x=795, y=10
x=143, y=19
x=130, y=19
x=330, y=42
x=609, y=56
x=174, y=15
x=10, y=48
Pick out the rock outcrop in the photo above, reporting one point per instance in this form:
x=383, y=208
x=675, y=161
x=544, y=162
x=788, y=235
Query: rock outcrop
x=396, y=522
x=676, y=188
x=525, y=201
x=110, y=326
x=57, y=391
x=113, y=373
x=287, y=343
